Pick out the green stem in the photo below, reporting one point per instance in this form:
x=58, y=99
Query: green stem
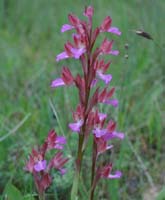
x=42, y=196
x=78, y=169
x=82, y=136
x=93, y=170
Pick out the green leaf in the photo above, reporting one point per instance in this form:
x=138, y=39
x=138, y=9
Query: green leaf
x=12, y=193
x=74, y=190
x=29, y=197
x=161, y=195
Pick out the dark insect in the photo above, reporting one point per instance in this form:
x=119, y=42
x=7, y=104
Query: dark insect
x=143, y=34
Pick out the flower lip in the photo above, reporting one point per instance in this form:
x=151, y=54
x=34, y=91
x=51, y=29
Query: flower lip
x=99, y=132
x=66, y=27
x=40, y=165
x=76, y=126
x=117, y=175
x=105, y=77
x=62, y=56
x=57, y=83
x=114, y=30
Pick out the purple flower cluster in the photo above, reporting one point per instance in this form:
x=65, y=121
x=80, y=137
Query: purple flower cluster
x=38, y=165
x=87, y=118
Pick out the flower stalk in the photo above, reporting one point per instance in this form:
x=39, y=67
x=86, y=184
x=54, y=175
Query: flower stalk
x=88, y=121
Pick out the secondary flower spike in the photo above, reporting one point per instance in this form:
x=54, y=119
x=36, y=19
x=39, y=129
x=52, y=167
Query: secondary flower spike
x=40, y=167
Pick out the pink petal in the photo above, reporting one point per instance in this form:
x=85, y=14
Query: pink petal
x=57, y=83
x=76, y=126
x=66, y=27
x=117, y=174
x=114, y=30
x=105, y=77
x=99, y=132
x=102, y=116
x=62, y=56
x=63, y=171
x=61, y=140
x=109, y=136
x=58, y=146
x=40, y=165
x=78, y=52
x=113, y=102
x=114, y=52
x=118, y=135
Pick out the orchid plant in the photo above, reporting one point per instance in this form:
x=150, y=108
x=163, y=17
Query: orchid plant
x=88, y=121
x=38, y=166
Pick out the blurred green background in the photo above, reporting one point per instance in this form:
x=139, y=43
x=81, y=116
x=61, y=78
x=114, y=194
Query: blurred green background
x=30, y=39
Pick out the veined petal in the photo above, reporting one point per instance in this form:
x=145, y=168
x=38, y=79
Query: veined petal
x=40, y=165
x=105, y=77
x=66, y=27
x=117, y=174
x=114, y=52
x=62, y=56
x=76, y=126
x=114, y=30
x=57, y=83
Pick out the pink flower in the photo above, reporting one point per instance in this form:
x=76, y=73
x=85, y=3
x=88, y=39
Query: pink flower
x=67, y=79
x=75, y=50
x=66, y=27
x=105, y=77
x=55, y=142
x=105, y=26
x=62, y=56
x=105, y=172
x=30, y=164
x=102, y=116
x=113, y=102
x=37, y=164
x=58, y=162
x=57, y=83
x=76, y=126
x=105, y=97
x=40, y=165
x=36, y=161
x=88, y=11
x=106, y=48
x=78, y=118
x=114, y=52
x=114, y=30
x=98, y=132
x=102, y=145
